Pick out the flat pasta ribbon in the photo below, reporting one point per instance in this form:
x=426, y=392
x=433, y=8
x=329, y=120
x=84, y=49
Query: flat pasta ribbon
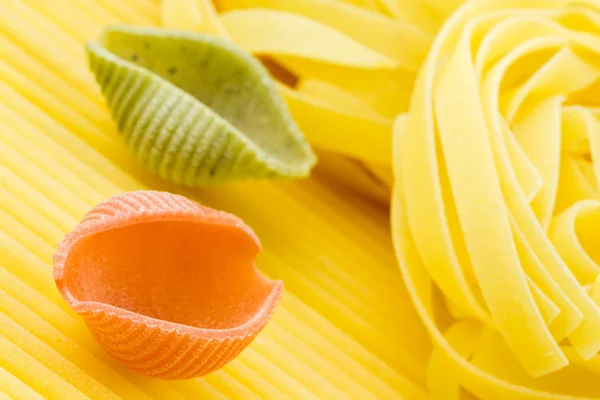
x=167, y=286
x=403, y=42
x=195, y=109
x=496, y=201
x=277, y=32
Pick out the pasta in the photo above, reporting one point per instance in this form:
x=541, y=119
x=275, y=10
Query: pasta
x=166, y=96
x=494, y=214
x=373, y=66
x=496, y=198
x=167, y=286
x=186, y=15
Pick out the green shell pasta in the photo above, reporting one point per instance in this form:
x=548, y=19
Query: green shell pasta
x=196, y=109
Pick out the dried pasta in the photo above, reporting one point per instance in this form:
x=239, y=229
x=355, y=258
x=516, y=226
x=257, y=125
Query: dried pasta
x=166, y=94
x=495, y=200
x=168, y=287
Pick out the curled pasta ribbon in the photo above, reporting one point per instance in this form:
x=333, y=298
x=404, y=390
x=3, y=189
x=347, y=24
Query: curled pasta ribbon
x=167, y=286
x=197, y=110
x=496, y=201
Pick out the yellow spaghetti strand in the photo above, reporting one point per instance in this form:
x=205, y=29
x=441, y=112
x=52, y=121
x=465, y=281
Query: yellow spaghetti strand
x=36, y=375
x=15, y=388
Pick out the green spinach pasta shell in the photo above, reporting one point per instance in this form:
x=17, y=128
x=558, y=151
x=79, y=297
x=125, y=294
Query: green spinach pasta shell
x=195, y=109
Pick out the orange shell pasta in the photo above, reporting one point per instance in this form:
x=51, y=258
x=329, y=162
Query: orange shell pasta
x=167, y=286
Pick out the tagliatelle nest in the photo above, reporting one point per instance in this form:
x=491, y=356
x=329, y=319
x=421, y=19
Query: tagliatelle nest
x=497, y=199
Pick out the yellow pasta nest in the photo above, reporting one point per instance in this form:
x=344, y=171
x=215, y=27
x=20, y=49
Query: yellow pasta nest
x=496, y=209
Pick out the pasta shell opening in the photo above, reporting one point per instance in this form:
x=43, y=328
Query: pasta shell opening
x=159, y=266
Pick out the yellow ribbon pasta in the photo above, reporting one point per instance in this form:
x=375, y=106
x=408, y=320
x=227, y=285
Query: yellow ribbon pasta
x=282, y=33
x=496, y=208
x=401, y=41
